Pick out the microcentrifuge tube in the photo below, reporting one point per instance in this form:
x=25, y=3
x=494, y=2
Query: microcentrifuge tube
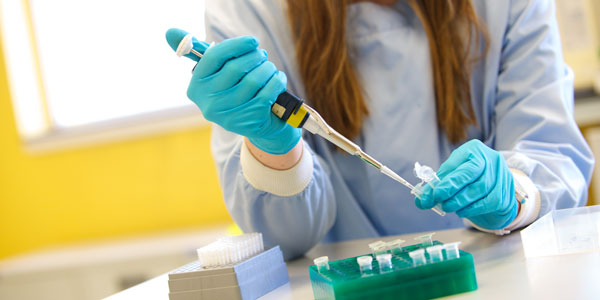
x=452, y=250
x=385, y=262
x=418, y=257
x=435, y=253
x=364, y=262
x=322, y=263
x=429, y=177
x=378, y=247
x=395, y=245
x=425, y=240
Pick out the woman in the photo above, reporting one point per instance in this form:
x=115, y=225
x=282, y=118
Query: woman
x=478, y=89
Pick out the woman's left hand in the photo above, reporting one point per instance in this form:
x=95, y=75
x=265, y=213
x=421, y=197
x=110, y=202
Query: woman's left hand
x=475, y=182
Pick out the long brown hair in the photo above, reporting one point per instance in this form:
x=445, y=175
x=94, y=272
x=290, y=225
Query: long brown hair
x=331, y=84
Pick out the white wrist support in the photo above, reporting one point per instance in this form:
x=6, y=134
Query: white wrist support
x=278, y=182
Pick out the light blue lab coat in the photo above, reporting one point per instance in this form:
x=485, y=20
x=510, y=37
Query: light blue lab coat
x=522, y=96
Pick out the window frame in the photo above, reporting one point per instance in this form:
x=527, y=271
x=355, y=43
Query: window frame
x=50, y=137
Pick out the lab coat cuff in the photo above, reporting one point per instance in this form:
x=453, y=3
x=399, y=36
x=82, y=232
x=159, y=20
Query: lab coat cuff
x=529, y=197
x=277, y=182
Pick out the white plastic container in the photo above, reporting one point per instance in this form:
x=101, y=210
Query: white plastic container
x=563, y=231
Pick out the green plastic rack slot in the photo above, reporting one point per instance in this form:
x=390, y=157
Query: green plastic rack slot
x=344, y=280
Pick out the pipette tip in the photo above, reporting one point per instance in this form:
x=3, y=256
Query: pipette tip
x=385, y=170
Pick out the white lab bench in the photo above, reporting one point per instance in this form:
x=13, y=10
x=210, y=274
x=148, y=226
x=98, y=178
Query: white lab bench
x=501, y=268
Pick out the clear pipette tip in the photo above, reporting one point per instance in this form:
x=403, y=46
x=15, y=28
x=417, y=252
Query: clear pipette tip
x=438, y=209
x=414, y=190
x=385, y=170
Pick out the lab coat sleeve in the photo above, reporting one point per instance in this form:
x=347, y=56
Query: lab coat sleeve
x=533, y=115
x=295, y=221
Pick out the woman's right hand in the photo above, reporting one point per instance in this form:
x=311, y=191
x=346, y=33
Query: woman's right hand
x=234, y=85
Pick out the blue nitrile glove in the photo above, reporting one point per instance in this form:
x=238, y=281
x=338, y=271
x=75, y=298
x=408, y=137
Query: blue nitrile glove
x=475, y=182
x=235, y=85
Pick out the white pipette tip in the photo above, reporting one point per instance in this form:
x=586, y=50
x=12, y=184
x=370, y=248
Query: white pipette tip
x=230, y=250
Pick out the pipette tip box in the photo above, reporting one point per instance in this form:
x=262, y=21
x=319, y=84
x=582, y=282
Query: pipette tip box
x=249, y=279
x=405, y=280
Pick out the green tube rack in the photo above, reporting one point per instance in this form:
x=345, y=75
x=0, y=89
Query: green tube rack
x=344, y=280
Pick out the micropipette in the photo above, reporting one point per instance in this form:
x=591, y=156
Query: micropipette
x=292, y=110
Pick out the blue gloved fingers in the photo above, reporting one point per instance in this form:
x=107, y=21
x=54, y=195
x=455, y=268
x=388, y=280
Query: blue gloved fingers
x=255, y=113
x=211, y=88
x=246, y=90
x=475, y=182
x=267, y=96
x=500, y=199
x=471, y=193
x=459, y=156
x=216, y=56
x=502, y=215
x=477, y=208
x=233, y=71
x=456, y=158
x=487, y=204
x=426, y=200
x=276, y=85
x=464, y=175
x=269, y=93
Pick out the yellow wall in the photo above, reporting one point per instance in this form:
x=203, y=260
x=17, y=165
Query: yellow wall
x=583, y=59
x=144, y=185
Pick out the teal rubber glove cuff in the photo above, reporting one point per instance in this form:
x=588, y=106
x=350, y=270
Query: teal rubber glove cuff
x=235, y=85
x=475, y=182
